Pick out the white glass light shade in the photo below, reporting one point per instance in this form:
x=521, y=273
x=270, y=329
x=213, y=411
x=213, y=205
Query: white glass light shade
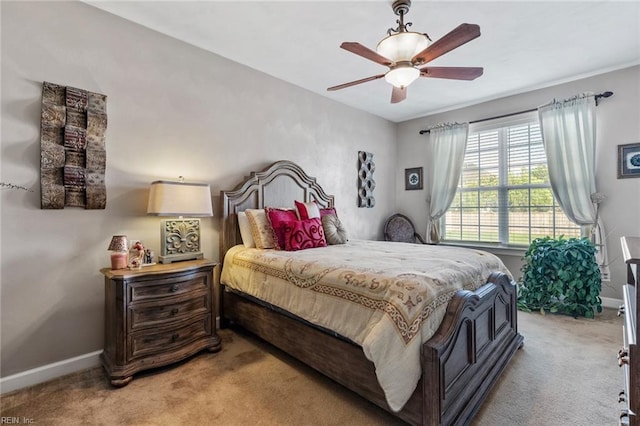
x=179, y=199
x=402, y=76
x=402, y=46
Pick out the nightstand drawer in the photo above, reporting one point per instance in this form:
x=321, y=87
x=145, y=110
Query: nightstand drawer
x=153, y=314
x=167, y=287
x=142, y=344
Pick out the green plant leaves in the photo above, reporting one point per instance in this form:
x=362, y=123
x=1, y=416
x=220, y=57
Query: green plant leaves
x=560, y=275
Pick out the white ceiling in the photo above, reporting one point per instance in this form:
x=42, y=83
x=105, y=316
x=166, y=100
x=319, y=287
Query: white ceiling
x=524, y=45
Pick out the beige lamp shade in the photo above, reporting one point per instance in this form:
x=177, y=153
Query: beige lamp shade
x=168, y=198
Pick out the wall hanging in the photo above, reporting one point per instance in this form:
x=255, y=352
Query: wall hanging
x=629, y=160
x=366, y=184
x=72, y=148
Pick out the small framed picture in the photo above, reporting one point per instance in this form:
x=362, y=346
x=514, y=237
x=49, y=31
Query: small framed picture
x=413, y=178
x=629, y=160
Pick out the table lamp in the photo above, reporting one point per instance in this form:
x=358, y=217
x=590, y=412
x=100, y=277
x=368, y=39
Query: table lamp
x=118, y=248
x=179, y=237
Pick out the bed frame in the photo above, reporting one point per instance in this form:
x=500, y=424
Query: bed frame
x=460, y=363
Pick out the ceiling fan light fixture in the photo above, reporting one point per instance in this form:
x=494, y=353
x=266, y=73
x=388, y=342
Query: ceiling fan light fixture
x=404, y=51
x=402, y=46
x=402, y=76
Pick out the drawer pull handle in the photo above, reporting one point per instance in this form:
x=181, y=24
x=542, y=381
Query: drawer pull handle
x=175, y=311
x=174, y=288
x=175, y=337
x=621, y=310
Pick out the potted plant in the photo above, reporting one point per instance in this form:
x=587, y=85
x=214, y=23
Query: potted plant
x=561, y=275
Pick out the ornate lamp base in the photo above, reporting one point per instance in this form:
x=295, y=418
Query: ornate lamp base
x=180, y=257
x=180, y=240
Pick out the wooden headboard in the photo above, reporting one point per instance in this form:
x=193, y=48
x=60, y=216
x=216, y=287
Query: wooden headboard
x=278, y=186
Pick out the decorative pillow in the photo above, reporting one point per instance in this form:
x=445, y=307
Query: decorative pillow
x=304, y=234
x=307, y=210
x=328, y=210
x=261, y=229
x=245, y=230
x=334, y=230
x=277, y=218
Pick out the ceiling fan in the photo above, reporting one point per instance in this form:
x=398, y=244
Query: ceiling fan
x=404, y=51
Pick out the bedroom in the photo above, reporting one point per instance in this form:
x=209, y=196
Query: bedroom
x=171, y=105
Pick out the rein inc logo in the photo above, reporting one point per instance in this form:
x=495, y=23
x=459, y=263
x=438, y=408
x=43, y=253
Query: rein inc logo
x=16, y=421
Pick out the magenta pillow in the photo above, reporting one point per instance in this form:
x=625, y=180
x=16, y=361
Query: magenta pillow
x=279, y=217
x=304, y=234
x=329, y=210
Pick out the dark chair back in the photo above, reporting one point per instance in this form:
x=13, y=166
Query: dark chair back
x=400, y=228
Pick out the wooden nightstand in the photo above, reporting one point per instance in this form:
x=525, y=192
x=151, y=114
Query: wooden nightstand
x=157, y=315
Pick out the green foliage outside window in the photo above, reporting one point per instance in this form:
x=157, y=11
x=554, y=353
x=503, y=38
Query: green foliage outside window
x=540, y=199
x=561, y=275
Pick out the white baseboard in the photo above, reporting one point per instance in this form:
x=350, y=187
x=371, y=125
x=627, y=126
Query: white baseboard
x=53, y=371
x=48, y=372
x=608, y=302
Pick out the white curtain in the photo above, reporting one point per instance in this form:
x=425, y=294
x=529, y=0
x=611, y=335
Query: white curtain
x=447, y=145
x=569, y=135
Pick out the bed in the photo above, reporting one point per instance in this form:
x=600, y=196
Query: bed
x=457, y=365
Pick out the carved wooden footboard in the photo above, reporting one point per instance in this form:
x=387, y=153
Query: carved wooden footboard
x=460, y=363
x=473, y=345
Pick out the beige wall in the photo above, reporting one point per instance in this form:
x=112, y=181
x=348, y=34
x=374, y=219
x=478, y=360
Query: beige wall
x=173, y=110
x=618, y=122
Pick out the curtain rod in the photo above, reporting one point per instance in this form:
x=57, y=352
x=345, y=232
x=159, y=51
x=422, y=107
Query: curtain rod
x=598, y=96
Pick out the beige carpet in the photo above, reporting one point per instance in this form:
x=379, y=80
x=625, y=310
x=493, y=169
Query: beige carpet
x=566, y=374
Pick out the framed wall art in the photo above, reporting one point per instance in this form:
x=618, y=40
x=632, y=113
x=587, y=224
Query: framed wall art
x=413, y=178
x=629, y=160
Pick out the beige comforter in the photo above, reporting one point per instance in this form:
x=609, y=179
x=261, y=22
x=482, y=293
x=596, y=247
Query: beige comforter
x=388, y=297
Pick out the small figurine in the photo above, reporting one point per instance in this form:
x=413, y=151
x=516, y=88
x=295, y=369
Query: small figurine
x=137, y=255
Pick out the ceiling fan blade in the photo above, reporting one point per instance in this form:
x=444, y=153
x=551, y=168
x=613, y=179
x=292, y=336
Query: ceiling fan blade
x=353, y=83
x=399, y=94
x=454, y=73
x=460, y=35
x=365, y=52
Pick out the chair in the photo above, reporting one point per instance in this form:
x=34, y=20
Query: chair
x=400, y=228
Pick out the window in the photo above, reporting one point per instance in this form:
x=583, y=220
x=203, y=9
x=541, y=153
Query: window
x=504, y=195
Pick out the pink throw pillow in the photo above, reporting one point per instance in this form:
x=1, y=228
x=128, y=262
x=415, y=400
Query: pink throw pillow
x=304, y=234
x=278, y=218
x=328, y=210
x=307, y=210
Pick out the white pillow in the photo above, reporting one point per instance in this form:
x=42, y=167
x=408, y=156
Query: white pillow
x=245, y=230
x=307, y=210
